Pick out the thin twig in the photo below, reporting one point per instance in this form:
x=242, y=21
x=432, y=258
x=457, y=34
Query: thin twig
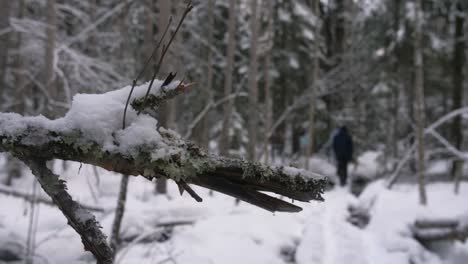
x=166, y=47
x=184, y=186
x=140, y=74
x=38, y=199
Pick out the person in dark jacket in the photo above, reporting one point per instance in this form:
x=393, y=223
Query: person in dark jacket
x=343, y=149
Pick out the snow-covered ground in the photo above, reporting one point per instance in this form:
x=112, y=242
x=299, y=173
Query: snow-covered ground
x=218, y=231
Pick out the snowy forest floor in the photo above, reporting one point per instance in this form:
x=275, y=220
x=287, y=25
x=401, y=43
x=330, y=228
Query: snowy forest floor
x=218, y=231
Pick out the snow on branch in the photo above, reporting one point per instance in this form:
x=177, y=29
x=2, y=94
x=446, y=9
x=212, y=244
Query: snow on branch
x=91, y=132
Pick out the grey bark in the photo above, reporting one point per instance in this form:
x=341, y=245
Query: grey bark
x=14, y=167
x=78, y=218
x=168, y=108
x=238, y=178
x=49, y=73
x=419, y=102
x=224, y=141
x=315, y=79
x=457, y=94
x=253, y=85
x=268, y=82
x=396, y=90
x=20, y=80
x=208, y=89
x=4, y=43
x=119, y=214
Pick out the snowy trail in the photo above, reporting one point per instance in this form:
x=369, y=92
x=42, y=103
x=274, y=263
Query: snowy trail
x=328, y=238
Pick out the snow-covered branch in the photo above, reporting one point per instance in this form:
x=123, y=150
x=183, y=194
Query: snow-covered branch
x=91, y=133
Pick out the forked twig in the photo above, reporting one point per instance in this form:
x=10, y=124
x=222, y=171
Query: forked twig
x=145, y=66
x=166, y=48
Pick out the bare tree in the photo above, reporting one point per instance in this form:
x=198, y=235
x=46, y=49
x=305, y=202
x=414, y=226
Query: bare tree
x=253, y=85
x=224, y=140
x=419, y=100
x=315, y=79
x=457, y=95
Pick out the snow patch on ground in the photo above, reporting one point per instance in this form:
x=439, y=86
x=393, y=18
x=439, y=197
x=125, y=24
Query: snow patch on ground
x=222, y=232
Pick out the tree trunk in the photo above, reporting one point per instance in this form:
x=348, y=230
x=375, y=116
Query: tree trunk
x=340, y=30
x=167, y=119
x=419, y=101
x=49, y=73
x=253, y=85
x=114, y=241
x=205, y=123
x=224, y=141
x=396, y=89
x=148, y=42
x=4, y=43
x=268, y=82
x=315, y=78
x=457, y=95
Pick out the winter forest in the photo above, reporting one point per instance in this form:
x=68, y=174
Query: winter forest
x=233, y=131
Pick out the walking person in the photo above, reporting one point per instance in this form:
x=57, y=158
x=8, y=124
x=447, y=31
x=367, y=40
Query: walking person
x=343, y=150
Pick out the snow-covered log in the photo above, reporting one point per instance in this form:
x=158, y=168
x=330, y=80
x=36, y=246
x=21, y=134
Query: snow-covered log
x=435, y=230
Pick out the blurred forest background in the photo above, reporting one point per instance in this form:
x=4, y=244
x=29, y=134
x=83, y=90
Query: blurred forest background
x=267, y=72
x=273, y=78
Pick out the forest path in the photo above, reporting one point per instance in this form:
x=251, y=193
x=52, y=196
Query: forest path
x=328, y=238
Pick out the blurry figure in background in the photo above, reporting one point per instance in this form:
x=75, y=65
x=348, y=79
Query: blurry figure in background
x=342, y=144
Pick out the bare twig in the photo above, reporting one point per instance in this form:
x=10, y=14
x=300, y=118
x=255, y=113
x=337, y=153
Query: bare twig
x=188, y=8
x=140, y=74
x=184, y=186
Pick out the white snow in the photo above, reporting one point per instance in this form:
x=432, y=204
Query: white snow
x=225, y=233
x=99, y=117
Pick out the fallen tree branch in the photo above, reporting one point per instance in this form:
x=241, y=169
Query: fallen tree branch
x=179, y=160
x=78, y=218
x=30, y=198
